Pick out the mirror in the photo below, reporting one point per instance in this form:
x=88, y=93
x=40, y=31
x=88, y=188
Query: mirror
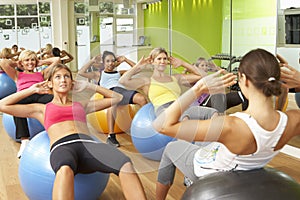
x=241, y=21
x=288, y=43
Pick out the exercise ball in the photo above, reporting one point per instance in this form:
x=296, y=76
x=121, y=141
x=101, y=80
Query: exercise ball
x=259, y=184
x=37, y=177
x=34, y=126
x=7, y=85
x=123, y=119
x=297, y=98
x=145, y=138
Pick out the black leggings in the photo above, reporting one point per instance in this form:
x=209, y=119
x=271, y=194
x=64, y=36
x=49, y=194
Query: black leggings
x=85, y=155
x=222, y=102
x=21, y=124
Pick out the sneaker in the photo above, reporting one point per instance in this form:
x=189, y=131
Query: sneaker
x=187, y=182
x=22, y=148
x=112, y=140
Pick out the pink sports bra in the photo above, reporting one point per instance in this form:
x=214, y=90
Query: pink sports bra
x=26, y=80
x=55, y=114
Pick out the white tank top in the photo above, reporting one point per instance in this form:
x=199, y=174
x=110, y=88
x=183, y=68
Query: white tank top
x=110, y=80
x=216, y=157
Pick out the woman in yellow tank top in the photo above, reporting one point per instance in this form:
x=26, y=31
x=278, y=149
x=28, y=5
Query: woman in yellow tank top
x=162, y=89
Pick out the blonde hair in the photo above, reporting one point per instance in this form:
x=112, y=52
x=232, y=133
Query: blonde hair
x=48, y=48
x=156, y=51
x=5, y=52
x=28, y=54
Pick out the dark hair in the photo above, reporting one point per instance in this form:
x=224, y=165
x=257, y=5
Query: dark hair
x=263, y=70
x=107, y=53
x=57, y=67
x=56, y=52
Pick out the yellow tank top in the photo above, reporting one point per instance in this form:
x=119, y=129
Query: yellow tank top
x=161, y=93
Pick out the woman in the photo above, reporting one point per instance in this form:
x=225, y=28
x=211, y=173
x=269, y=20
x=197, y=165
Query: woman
x=242, y=141
x=221, y=102
x=6, y=53
x=163, y=89
x=28, y=61
x=109, y=78
x=63, y=55
x=72, y=149
x=45, y=52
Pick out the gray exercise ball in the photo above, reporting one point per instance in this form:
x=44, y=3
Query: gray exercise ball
x=260, y=184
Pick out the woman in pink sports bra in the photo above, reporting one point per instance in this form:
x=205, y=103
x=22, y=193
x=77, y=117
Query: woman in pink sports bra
x=241, y=141
x=28, y=61
x=69, y=133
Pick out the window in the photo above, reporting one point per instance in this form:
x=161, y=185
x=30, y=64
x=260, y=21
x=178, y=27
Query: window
x=292, y=26
x=21, y=22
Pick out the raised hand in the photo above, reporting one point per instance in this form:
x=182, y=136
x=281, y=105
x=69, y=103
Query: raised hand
x=215, y=83
x=144, y=63
x=121, y=59
x=289, y=76
x=281, y=60
x=175, y=62
x=41, y=88
x=97, y=59
x=80, y=85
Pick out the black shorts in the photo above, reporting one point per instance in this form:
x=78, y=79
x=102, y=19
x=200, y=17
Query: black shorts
x=127, y=95
x=85, y=155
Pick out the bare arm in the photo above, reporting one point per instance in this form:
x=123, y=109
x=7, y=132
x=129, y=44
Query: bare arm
x=51, y=62
x=93, y=74
x=9, y=67
x=110, y=97
x=131, y=81
x=290, y=77
x=194, y=75
x=9, y=104
x=171, y=126
x=293, y=123
x=66, y=54
x=122, y=59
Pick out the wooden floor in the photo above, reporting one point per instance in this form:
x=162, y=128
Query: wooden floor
x=10, y=188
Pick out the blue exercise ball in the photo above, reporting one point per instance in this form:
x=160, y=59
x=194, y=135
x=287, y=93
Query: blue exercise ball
x=259, y=184
x=34, y=126
x=37, y=177
x=7, y=85
x=297, y=98
x=145, y=138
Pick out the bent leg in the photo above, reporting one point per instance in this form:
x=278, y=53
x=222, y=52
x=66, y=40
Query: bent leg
x=139, y=99
x=178, y=154
x=63, y=187
x=111, y=118
x=130, y=183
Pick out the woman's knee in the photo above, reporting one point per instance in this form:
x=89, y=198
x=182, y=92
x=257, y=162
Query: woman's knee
x=127, y=168
x=139, y=99
x=65, y=171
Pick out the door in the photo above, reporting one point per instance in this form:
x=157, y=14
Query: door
x=82, y=40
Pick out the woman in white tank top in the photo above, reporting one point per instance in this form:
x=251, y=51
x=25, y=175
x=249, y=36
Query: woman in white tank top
x=244, y=141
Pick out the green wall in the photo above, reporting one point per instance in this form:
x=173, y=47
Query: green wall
x=250, y=9
x=196, y=25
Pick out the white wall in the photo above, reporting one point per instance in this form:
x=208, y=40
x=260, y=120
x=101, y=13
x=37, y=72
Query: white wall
x=283, y=4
